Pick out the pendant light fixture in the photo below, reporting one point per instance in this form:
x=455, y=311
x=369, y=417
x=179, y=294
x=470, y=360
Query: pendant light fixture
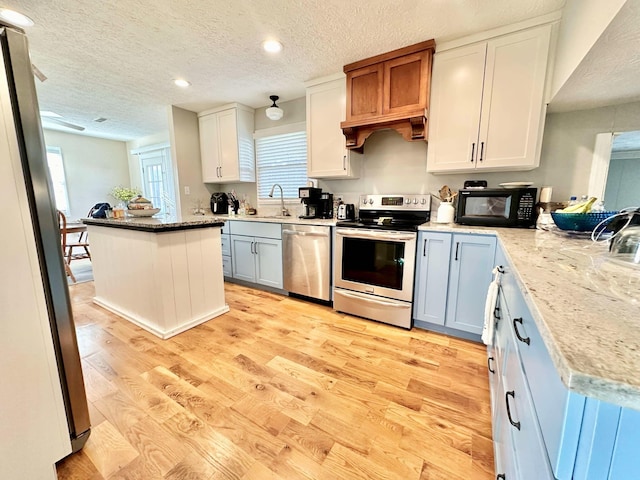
x=274, y=112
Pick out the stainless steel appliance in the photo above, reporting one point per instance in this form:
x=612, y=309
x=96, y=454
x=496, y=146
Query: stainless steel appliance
x=346, y=211
x=22, y=100
x=219, y=203
x=317, y=204
x=307, y=270
x=497, y=207
x=374, y=258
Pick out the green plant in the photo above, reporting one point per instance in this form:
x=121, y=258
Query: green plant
x=124, y=194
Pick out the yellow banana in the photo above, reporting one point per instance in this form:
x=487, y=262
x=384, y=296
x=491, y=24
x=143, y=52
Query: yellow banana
x=582, y=207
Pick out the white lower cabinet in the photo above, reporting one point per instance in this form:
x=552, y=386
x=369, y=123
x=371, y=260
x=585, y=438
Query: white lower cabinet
x=256, y=253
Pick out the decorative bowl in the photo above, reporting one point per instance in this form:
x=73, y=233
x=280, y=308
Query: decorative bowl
x=147, y=212
x=579, y=222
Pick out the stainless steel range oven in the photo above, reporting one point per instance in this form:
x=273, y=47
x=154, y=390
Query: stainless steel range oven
x=374, y=258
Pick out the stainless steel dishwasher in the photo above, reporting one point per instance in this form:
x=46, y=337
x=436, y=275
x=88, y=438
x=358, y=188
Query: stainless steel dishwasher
x=307, y=260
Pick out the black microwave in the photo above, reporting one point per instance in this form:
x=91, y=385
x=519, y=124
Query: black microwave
x=497, y=207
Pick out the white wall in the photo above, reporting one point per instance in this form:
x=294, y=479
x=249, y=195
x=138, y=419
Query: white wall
x=583, y=21
x=93, y=166
x=185, y=154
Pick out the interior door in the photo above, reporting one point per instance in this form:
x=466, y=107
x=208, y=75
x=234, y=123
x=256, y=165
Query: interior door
x=157, y=179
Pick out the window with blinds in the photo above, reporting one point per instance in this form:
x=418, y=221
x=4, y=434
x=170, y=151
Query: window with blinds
x=281, y=159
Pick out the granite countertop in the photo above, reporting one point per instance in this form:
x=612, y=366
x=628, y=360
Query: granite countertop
x=157, y=224
x=585, y=306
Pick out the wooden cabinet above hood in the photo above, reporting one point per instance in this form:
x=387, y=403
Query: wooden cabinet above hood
x=389, y=91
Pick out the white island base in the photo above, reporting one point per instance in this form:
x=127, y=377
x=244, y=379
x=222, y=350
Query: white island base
x=165, y=282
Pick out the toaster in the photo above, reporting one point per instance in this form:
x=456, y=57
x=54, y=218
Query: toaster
x=346, y=211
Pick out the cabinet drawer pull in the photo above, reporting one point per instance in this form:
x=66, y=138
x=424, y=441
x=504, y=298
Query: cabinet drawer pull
x=481, y=150
x=344, y=162
x=489, y=364
x=501, y=476
x=496, y=313
x=457, y=247
x=252, y=248
x=512, y=394
x=424, y=248
x=473, y=150
x=515, y=329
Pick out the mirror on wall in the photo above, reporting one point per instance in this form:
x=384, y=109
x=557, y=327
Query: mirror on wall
x=622, y=188
x=615, y=170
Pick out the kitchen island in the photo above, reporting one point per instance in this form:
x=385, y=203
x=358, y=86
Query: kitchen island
x=164, y=275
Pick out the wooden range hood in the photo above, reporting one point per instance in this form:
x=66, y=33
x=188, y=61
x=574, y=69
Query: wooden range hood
x=389, y=91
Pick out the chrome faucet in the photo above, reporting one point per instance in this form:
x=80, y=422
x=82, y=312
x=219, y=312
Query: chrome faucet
x=285, y=212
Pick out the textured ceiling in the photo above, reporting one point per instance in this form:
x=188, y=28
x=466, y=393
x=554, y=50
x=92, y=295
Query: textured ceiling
x=608, y=74
x=116, y=59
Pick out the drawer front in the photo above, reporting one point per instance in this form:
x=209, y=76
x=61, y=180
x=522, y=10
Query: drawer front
x=226, y=266
x=256, y=229
x=531, y=462
x=226, y=244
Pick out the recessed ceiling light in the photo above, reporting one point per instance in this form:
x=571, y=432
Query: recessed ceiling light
x=182, y=83
x=272, y=46
x=15, y=18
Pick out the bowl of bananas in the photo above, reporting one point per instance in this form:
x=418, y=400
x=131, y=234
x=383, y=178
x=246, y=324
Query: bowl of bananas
x=579, y=217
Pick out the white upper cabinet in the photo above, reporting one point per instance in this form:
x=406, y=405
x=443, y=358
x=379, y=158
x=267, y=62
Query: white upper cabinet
x=487, y=104
x=226, y=144
x=327, y=155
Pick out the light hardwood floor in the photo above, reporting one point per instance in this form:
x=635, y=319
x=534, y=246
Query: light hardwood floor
x=279, y=388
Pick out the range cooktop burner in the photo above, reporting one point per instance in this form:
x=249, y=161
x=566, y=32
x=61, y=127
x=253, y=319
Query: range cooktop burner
x=391, y=212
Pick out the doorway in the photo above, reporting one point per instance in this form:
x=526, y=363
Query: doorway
x=157, y=177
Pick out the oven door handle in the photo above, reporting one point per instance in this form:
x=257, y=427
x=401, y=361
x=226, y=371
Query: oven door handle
x=363, y=233
x=367, y=298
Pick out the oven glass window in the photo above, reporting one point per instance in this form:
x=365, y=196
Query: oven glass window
x=373, y=262
x=488, y=206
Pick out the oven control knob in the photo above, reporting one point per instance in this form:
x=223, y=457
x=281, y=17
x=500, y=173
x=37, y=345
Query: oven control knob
x=407, y=201
x=423, y=201
x=364, y=201
x=371, y=201
x=415, y=201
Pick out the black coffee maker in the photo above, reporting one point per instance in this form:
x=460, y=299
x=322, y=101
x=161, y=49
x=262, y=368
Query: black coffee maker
x=310, y=198
x=219, y=203
x=325, y=206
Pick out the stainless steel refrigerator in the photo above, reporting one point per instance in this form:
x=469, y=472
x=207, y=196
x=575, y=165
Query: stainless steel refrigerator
x=38, y=187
